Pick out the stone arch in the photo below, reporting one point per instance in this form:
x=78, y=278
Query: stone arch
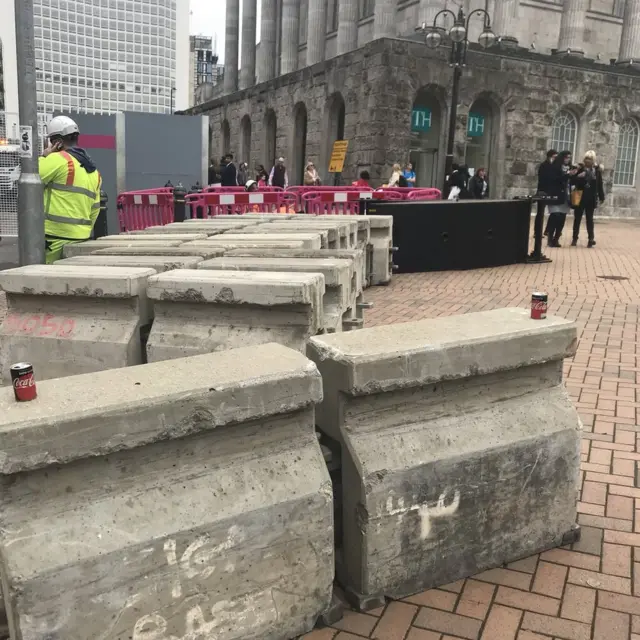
x=483, y=145
x=270, y=133
x=428, y=135
x=334, y=119
x=245, y=140
x=225, y=137
x=299, y=146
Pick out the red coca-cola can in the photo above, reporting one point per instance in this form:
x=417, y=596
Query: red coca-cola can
x=24, y=383
x=539, y=302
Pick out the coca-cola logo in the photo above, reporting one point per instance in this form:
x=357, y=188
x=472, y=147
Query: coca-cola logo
x=539, y=306
x=24, y=383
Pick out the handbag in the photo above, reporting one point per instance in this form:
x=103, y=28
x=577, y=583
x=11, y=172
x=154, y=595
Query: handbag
x=576, y=197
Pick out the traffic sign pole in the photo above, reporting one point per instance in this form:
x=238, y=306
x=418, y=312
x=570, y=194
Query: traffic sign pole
x=31, y=243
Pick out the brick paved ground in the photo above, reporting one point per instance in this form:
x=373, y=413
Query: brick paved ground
x=592, y=590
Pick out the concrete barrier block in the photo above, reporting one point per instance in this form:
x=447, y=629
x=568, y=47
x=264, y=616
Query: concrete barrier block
x=73, y=319
x=338, y=278
x=382, y=242
x=182, y=250
x=204, y=311
x=158, y=263
x=337, y=234
x=360, y=233
x=248, y=216
x=292, y=232
x=309, y=240
x=460, y=446
x=146, y=237
x=210, y=228
x=250, y=242
x=88, y=247
x=186, y=499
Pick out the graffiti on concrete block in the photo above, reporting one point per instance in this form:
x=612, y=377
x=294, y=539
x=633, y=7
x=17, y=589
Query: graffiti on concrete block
x=444, y=507
x=41, y=325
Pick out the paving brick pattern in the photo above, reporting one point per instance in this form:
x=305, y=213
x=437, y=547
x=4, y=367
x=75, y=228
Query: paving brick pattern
x=590, y=591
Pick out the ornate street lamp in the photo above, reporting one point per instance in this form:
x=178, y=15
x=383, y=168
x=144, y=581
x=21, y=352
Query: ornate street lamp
x=458, y=36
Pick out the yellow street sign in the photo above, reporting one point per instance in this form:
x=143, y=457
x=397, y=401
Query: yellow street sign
x=338, y=155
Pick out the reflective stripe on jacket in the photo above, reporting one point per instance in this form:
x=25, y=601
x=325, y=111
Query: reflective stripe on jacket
x=71, y=196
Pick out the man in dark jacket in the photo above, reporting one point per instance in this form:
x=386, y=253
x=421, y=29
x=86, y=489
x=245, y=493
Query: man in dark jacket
x=588, y=182
x=544, y=178
x=229, y=173
x=278, y=176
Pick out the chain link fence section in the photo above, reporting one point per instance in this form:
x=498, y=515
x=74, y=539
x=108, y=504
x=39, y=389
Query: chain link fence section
x=10, y=168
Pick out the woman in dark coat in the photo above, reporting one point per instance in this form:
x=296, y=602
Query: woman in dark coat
x=479, y=185
x=558, y=187
x=588, y=180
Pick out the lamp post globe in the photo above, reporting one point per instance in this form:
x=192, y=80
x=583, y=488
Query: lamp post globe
x=433, y=39
x=458, y=33
x=487, y=38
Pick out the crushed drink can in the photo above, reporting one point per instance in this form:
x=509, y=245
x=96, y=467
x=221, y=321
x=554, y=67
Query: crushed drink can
x=539, y=303
x=24, y=383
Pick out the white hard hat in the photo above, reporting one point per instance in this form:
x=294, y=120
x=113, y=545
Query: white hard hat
x=250, y=184
x=62, y=126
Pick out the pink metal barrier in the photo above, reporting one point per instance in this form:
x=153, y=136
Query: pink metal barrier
x=425, y=194
x=138, y=210
x=387, y=194
x=237, y=203
x=240, y=190
x=334, y=202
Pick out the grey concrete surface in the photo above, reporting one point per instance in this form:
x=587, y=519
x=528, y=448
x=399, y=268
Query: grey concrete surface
x=88, y=247
x=252, y=242
x=159, y=263
x=287, y=232
x=180, y=499
x=331, y=221
x=147, y=237
x=309, y=240
x=205, y=311
x=208, y=227
x=382, y=241
x=67, y=320
x=338, y=278
x=460, y=446
x=146, y=250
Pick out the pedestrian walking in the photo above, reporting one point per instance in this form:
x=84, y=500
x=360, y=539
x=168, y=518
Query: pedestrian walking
x=229, y=174
x=459, y=183
x=278, y=176
x=243, y=174
x=544, y=173
x=559, y=188
x=311, y=176
x=587, y=194
x=71, y=188
x=409, y=175
x=478, y=186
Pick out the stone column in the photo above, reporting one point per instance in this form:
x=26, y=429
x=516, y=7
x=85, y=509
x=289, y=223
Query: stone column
x=290, y=36
x=248, y=71
x=504, y=21
x=384, y=23
x=630, y=41
x=232, y=33
x=347, y=25
x=267, y=64
x=316, y=30
x=574, y=15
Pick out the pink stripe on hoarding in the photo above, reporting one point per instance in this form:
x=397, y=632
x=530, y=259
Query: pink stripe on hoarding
x=89, y=141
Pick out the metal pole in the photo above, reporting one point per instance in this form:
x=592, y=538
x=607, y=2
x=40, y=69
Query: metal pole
x=453, y=116
x=31, y=241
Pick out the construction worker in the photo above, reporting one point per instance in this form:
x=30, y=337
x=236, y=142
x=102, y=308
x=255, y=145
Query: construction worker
x=71, y=188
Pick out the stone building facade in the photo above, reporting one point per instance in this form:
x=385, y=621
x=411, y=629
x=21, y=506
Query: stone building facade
x=527, y=102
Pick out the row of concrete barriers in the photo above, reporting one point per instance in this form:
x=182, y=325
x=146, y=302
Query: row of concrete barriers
x=189, y=499
x=117, y=303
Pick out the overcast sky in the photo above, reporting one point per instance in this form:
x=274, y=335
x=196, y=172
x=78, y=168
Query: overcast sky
x=207, y=19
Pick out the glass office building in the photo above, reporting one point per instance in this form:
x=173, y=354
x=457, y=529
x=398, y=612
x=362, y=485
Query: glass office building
x=104, y=56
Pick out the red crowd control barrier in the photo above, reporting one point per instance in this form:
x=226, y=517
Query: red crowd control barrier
x=334, y=202
x=138, y=210
x=237, y=203
x=387, y=194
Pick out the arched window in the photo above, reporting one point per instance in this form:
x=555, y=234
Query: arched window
x=564, y=132
x=624, y=174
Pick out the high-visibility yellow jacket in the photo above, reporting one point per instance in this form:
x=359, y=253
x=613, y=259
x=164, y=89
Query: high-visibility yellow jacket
x=71, y=196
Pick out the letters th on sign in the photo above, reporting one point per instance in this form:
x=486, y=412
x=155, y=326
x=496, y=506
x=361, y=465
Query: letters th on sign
x=39, y=325
x=475, y=125
x=421, y=119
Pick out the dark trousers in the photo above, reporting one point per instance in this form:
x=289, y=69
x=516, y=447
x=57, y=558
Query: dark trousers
x=588, y=210
x=556, y=225
x=537, y=227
